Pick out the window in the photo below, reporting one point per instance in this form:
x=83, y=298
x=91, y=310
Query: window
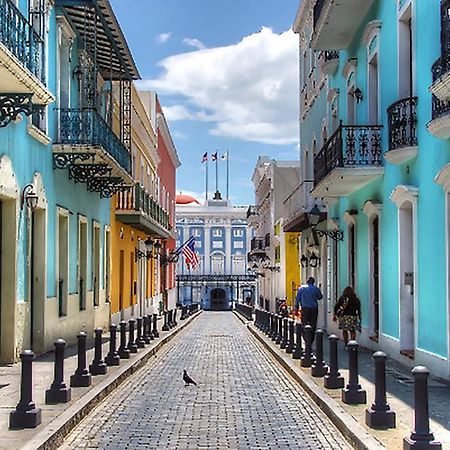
x=405, y=53
x=63, y=261
x=96, y=263
x=238, y=232
x=198, y=244
x=238, y=244
x=217, y=233
x=82, y=261
x=217, y=244
x=196, y=232
x=107, y=264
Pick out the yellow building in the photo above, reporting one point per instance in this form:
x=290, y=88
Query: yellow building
x=137, y=218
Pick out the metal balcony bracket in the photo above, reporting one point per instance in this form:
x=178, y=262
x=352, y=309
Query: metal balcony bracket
x=65, y=160
x=107, y=186
x=11, y=105
x=82, y=173
x=336, y=235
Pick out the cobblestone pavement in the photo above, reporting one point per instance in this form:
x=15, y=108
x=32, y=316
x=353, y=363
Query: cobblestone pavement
x=244, y=400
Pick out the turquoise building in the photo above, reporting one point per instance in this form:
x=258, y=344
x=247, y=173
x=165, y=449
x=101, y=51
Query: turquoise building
x=375, y=154
x=65, y=75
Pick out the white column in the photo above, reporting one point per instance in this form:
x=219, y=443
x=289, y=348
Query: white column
x=207, y=249
x=228, y=248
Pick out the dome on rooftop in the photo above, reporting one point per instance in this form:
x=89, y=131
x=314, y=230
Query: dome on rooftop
x=183, y=199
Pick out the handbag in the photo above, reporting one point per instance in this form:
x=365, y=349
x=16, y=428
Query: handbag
x=342, y=307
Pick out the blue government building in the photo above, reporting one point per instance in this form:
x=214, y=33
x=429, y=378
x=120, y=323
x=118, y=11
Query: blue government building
x=222, y=240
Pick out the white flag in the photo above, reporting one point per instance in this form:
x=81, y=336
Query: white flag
x=225, y=156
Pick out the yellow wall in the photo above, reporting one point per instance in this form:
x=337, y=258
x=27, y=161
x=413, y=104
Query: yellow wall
x=124, y=237
x=292, y=266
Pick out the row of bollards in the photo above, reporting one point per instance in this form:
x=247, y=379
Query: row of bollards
x=289, y=335
x=188, y=310
x=140, y=333
x=245, y=310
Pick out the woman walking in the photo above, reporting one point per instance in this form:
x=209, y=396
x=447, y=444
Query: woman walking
x=347, y=312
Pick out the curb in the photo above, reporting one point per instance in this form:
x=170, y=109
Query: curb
x=53, y=434
x=352, y=430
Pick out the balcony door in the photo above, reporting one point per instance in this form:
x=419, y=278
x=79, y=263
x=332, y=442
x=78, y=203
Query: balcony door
x=405, y=54
x=64, y=67
x=373, y=84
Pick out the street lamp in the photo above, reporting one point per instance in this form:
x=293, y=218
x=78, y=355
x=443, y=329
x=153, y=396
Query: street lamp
x=314, y=217
x=29, y=197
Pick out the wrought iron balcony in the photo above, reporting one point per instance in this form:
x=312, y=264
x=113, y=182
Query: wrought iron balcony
x=329, y=62
x=402, y=122
x=330, y=55
x=267, y=240
x=257, y=243
x=138, y=208
x=85, y=127
x=19, y=37
x=350, y=158
x=439, y=125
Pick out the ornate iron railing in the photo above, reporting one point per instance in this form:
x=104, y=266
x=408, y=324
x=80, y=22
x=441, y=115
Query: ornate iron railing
x=402, y=121
x=252, y=211
x=317, y=11
x=140, y=200
x=349, y=146
x=19, y=37
x=330, y=55
x=87, y=127
x=257, y=243
x=439, y=108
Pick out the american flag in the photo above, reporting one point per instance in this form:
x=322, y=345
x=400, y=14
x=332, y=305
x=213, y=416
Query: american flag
x=190, y=255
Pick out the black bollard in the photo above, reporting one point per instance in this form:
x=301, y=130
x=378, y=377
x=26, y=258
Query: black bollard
x=270, y=325
x=98, y=366
x=421, y=437
x=169, y=318
x=284, y=334
x=81, y=377
x=112, y=358
x=139, y=340
x=379, y=415
x=298, y=348
x=145, y=330
x=333, y=380
x=131, y=340
x=166, y=326
x=353, y=394
x=279, y=337
x=291, y=340
x=124, y=353
x=58, y=392
x=275, y=328
x=319, y=369
x=307, y=358
x=149, y=325
x=175, y=323
x=155, y=326
x=26, y=415
x=183, y=313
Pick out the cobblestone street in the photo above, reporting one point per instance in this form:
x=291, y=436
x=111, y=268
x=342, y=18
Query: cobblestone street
x=243, y=400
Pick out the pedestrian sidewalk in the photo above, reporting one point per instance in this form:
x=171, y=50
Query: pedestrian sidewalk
x=400, y=393
x=58, y=420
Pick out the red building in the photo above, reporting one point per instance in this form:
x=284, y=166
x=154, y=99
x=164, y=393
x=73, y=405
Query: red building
x=167, y=167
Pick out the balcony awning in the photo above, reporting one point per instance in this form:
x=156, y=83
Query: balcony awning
x=113, y=57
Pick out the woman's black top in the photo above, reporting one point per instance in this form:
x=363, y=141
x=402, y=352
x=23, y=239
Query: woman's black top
x=352, y=306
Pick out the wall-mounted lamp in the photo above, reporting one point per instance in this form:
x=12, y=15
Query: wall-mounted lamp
x=77, y=73
x=314, y=260
x=357, y=93
x=29, y=197
x=139, y=254
x=314, y=217
x=304, y=261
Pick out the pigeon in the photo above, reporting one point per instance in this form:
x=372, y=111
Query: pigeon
x=187, y=379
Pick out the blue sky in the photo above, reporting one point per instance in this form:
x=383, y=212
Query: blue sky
x=226, y=73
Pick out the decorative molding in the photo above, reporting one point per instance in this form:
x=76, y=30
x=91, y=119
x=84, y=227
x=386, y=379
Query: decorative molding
x=403, y=193
x=38, y=134
x=372, y=208
x=332, y=94
x=371, y=30
x=8, y=181
x=350, y=66
x=39, y=188
x=349, y=219
x=443, y=178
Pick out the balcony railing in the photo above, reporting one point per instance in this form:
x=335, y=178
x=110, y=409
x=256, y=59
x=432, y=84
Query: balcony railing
x=439, y=108
x=350, y=146
x=139, y=200
x=330, y=55
x=402, y=121
x=299, y=201
x=257, y=243
x=87, y=127
x=251, y=211
x=19, y=37
x=267, y=240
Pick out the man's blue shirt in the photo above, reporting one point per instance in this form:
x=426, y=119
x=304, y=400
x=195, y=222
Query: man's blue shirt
x=307, y=296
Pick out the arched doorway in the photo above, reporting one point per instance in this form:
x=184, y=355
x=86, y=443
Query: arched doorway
x=218, y=299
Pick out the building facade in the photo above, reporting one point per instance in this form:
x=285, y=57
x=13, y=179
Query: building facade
x=375, y=146
x=274, y=252
x=222, y=239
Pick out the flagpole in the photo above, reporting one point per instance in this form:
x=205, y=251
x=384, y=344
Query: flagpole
x=206, y=182
x=228, y=174
x=217, y=174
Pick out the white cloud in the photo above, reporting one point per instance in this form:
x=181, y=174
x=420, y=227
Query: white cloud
x=249, y=89
x=192, y=42
x=163, y=37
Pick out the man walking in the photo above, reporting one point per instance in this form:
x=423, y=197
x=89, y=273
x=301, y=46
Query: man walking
x=307, y=298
